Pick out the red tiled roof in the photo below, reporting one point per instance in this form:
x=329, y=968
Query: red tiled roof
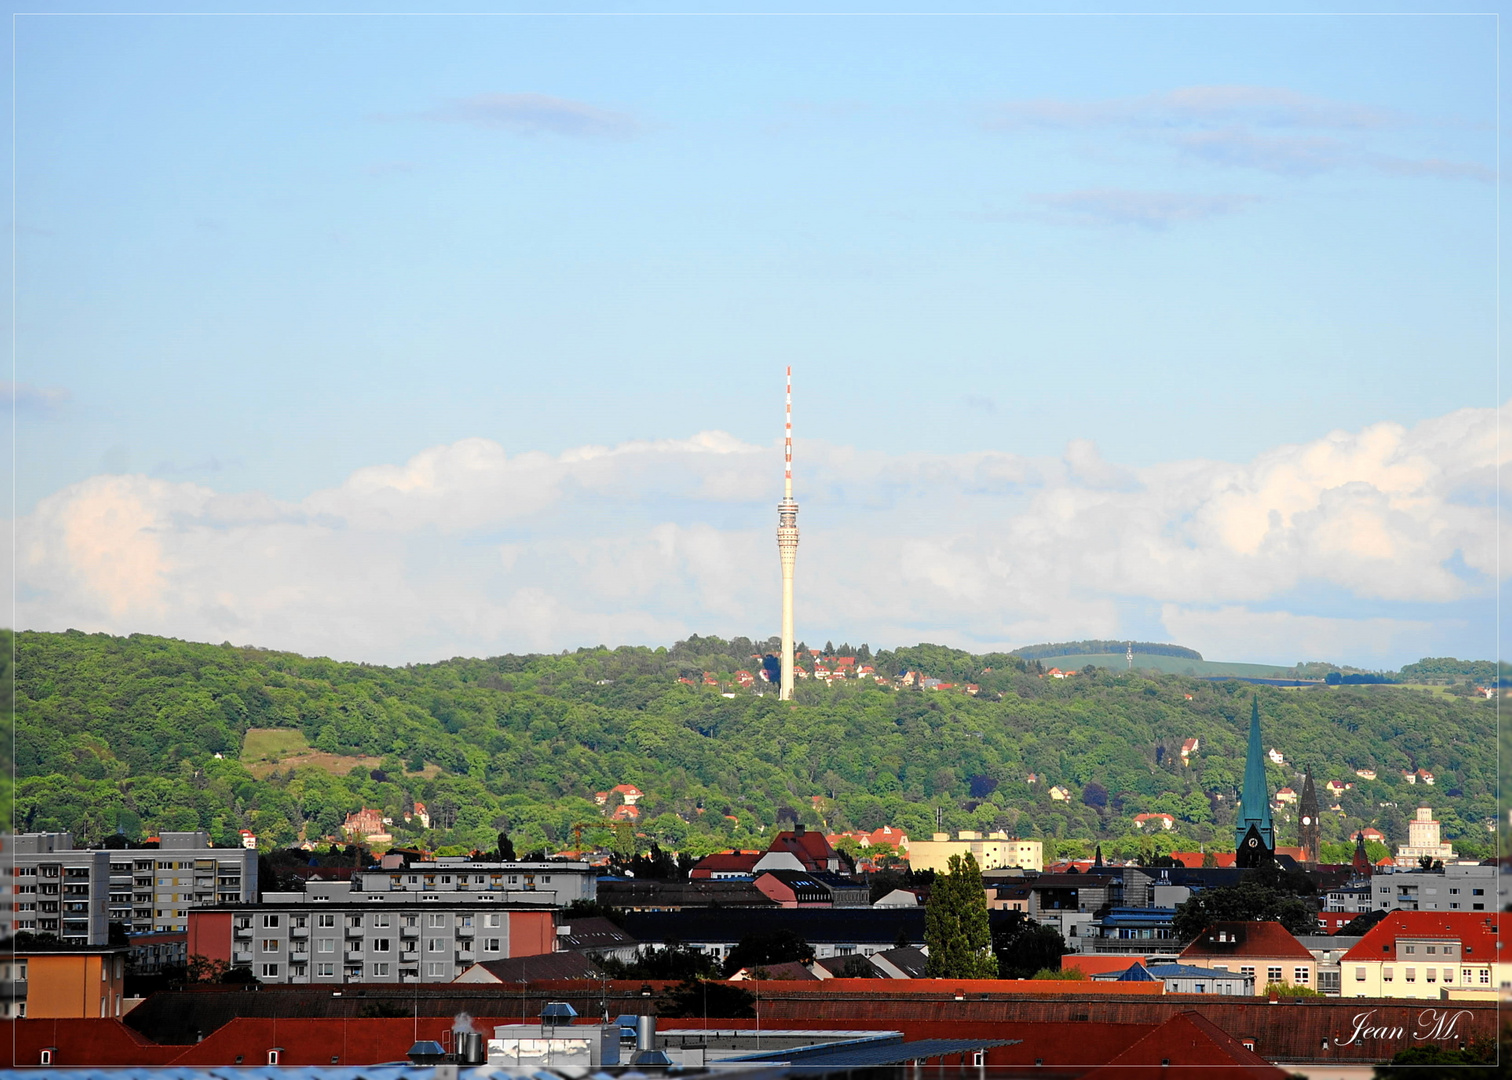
x=811, y=848
x=1476, y=929
x=1192, y=860
x=1268, y=939
x=1185, y=1041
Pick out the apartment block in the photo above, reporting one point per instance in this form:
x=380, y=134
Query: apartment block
x=553, y=883
x=77, y=892
x=332, y=934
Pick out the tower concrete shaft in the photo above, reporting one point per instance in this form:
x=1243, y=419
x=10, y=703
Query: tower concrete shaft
x=787, y=547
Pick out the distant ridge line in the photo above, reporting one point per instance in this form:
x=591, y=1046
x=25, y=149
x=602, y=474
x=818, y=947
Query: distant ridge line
x=1098, y=648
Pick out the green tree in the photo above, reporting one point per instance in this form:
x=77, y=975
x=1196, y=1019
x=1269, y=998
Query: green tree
x=955, y=924
x=1024, y=947
x=1249, y=901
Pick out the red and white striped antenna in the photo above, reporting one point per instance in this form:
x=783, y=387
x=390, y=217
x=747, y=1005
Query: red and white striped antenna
x=787, y=446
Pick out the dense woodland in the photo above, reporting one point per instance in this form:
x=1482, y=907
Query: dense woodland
x=140, y=734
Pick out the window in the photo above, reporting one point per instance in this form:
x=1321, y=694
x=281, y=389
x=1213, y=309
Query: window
x=47, y=1057
x=412, y=920
x=493, y=918
x=325, y=944
x=270, y=971
x=273, y=1057
x=354, y=921
x=1359, y=974
x=380, y=944
x=380, y=971
x=435, y=944
x=325, y=970
x=270, y=945
x=491, y=944
x=1477, y=892
x=325, y=920
x=1302, y=976
x=1412, y=974
x=436, y=969
x=1411, y=949
x=382, y=920
x=464, y=920
x=1272, y=975
x=270, y=922
x=1247, y=972
x=1432, y=950
x=435, y=919
x=1431, y=975
x=1448, y=974
x=300, y=921
x=1485, y=976
x=1387, y=974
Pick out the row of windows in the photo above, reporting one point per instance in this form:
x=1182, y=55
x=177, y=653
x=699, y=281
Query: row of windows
x=327, y=970
x=327, y=920
x=380, y=945
x=1388, y=974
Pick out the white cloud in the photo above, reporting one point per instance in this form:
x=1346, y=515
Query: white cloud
x=465, y=549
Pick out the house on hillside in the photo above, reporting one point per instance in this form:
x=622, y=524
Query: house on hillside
x=1188, y=748
x=1060, y=793
x=1276, y=756
x=1366, y=774
x=1165, y=821
x=1286, y=796
x=367, y=825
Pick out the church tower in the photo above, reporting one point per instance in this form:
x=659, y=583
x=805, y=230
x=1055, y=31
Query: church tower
x=1254, y=834
x=1308, y=834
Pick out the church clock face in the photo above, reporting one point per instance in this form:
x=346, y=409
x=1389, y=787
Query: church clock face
x=1306, y=820
x=1252, y=842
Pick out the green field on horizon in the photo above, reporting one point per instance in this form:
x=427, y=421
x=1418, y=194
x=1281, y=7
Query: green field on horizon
x=1171, y=665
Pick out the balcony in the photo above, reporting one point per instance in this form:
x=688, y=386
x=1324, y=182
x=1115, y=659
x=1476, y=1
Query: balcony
x=409, y=931
x=242, y=931
x=240, y=958
x=299, y=931
x=354, y=931
x=13, y=989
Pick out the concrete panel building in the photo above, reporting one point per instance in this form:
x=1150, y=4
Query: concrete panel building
x=332, y=934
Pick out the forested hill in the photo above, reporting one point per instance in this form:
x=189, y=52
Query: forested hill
x=142, y=734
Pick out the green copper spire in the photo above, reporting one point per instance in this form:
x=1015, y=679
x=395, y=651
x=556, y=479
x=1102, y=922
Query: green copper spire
x=1254, y=806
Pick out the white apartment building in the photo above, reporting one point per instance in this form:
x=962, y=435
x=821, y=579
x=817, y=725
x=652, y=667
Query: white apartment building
x=1459, y=888
x=553, y=883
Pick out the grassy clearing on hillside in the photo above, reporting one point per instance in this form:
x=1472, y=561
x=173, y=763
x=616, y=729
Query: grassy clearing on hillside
x=269, y=750
x=272, y=744
x=1171, y=665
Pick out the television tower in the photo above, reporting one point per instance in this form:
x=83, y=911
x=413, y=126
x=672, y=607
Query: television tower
x=787, y=546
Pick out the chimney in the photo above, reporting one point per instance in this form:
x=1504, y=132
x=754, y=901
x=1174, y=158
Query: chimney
x=798, y=828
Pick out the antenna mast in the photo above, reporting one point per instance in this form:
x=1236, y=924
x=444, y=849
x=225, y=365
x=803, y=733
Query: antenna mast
x=787, y=546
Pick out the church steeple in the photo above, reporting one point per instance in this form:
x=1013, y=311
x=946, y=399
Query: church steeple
x=1362, y=867
x=1308, y=833
x=1254, y=834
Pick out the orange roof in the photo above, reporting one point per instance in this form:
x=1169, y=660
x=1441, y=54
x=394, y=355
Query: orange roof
x=1192, y=860
x=1097, y=965
x=1476, y=929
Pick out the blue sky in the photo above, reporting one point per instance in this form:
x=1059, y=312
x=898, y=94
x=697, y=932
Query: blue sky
x=268, y=257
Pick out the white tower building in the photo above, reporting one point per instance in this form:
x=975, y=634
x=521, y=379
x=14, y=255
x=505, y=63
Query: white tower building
x=787, y=547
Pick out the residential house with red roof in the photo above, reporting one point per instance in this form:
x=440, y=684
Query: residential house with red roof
x=1427, y=954
x=1189, y=747
x=1265, y=950
x=1165, y=821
